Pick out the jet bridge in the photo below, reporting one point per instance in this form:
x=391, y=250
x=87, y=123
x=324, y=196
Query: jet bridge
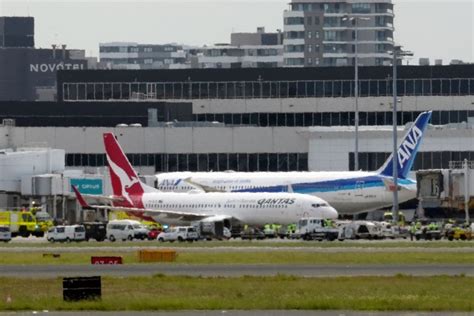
x=450, y=189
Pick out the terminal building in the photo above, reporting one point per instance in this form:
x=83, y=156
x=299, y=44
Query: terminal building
x=268, y=119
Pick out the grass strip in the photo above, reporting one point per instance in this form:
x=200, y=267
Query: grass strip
x=439, y=293
x=280, y=257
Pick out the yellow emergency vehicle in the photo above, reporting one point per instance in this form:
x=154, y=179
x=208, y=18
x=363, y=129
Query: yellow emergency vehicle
x=24, y=222
x=21, y=223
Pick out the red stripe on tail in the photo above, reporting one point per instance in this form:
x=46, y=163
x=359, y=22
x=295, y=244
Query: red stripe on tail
x=125, y=181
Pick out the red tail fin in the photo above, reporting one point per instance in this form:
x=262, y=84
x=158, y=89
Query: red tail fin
x=125, y=181
x=80, y=198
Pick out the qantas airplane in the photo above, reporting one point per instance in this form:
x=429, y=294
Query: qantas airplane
x=349, y=192
x=258, y=208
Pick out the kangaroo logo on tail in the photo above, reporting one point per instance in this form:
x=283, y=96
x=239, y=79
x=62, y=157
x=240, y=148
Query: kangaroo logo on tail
x=408, y=148
x=125, y=181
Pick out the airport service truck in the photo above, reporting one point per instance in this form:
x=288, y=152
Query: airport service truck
x=316, y=229
x=21, y=223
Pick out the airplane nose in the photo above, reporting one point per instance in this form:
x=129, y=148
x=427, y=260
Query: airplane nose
x=330, y=213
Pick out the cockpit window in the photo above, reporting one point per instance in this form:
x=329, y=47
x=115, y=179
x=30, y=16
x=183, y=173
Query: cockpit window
x=319, y=205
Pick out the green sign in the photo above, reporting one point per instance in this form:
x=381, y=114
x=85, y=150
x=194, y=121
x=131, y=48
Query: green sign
x=88, y=186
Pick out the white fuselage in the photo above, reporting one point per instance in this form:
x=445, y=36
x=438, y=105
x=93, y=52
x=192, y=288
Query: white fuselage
x=348, y=192
x=247, y=208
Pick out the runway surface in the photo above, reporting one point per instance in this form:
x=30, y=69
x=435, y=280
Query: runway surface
x=216, y=270
x=235, y=249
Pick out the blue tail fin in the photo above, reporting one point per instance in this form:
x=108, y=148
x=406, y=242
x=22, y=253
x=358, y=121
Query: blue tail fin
x=408, y=148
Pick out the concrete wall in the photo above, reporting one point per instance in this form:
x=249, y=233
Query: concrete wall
x=161, y=139
x=329, y=150
x=299, y=105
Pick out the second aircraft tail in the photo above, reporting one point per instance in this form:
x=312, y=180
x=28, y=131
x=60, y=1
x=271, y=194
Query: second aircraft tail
x=408, y=148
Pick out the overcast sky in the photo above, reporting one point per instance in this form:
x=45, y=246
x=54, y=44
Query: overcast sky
x=433, y=29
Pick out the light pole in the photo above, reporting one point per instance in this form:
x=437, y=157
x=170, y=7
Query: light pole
x=397, y=53
x=356, y=84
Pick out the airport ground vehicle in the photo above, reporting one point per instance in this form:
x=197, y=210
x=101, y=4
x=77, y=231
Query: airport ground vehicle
x=126, y=229
x=66, y=233
x=119, y=215
x=388, y=217
x=460, y=234
x=388, y=230
x=5, y=234
x=251, y=233
x=21, y=223
x=227, y=233
x=95, y=230
x=153, y=233
x=179, y=233
x=209, y=230
x=44, y=221
x=428, y=232
x=316, y=229
x=287, y=231
x=360, y=230
x=271, y=230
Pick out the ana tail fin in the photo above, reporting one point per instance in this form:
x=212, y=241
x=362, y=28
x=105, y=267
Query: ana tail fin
x=408, y=148
x=125, y=181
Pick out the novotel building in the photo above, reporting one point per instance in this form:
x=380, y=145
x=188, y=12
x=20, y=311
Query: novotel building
x=29, y=74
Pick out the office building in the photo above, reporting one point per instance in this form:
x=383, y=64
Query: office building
x=326, y=33
x=123, y=55
x=17, y=31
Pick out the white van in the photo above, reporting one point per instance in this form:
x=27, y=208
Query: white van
x=126, y=229
x=5, y=234
x=180, y=233
x=66, y=233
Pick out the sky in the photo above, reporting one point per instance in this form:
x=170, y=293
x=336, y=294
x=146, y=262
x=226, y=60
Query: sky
x=432, y=29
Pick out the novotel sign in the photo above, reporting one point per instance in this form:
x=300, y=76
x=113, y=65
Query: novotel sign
x=54, y=67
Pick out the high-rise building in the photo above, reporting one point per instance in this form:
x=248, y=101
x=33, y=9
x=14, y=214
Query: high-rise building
x=17, y=31
x=326, y=32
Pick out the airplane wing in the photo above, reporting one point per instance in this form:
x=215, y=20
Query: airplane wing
x=185, y=216
x=100, y=198
x=202, y=187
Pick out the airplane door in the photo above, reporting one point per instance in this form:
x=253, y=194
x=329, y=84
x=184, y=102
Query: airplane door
x=359, y=188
